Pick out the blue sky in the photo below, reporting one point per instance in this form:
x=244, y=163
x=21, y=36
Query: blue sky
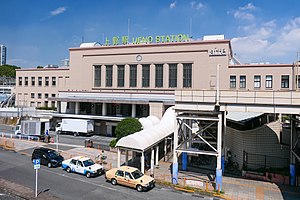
x=40, y=32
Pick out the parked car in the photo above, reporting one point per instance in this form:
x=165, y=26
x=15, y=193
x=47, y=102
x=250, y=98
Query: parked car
x=83, y=165
x=48, y=157
x=131, y=177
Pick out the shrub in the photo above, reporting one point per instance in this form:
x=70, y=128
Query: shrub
x=113, y=143
x=127, y=126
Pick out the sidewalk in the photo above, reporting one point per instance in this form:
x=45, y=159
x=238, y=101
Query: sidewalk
x=234, y=188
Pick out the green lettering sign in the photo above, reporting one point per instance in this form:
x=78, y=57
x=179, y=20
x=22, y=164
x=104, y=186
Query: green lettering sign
x=147, y=39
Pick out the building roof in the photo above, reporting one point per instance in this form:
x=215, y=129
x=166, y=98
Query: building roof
x=90, y=44
x=242, y=116
x=148, y=137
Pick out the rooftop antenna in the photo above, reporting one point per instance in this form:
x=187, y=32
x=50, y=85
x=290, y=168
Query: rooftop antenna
x=82, y=39
x=128, y=27
x=191, y=22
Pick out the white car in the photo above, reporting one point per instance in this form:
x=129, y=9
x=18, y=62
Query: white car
x=83, y=165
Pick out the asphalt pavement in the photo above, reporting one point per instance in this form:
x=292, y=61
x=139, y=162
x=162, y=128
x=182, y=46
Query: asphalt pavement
x=234, y=187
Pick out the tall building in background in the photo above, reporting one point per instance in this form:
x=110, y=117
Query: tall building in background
x=2, y=54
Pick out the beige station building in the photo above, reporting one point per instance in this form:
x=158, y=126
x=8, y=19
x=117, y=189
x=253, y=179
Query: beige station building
x=110, y=83
x=138, y=80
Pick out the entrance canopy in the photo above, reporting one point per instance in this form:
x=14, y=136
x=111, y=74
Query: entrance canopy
x=149, y=137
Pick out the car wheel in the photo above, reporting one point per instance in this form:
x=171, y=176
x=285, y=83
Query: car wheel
x=88, y=174
x=139, y=188
x=68, y=169
x=114, y=181
x=49, y=164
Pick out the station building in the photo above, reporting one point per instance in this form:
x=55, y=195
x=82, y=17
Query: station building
x=109, y=83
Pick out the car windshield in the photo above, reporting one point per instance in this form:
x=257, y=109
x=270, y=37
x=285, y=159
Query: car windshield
x=53, y=154
x=88, y=162
x=137, y=174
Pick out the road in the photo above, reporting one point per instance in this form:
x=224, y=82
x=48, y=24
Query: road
x=56, y=182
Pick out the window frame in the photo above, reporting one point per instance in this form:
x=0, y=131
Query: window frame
x=187, y=75
x=243, y=81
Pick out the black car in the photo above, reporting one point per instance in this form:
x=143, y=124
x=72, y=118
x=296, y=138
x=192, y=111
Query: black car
x=48, y=157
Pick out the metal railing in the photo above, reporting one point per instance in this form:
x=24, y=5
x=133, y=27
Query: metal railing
x=240, y=97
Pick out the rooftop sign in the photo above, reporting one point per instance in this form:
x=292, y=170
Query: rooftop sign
x=123, y=40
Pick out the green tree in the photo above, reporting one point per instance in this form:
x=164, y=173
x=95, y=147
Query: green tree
x=8, y=70
x=127, y=126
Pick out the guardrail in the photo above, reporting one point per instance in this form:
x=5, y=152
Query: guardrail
x=21, y=137
x=239, y=97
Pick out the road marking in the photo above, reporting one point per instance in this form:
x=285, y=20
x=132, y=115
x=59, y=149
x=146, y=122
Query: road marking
x=59, y=174
x=259, y=193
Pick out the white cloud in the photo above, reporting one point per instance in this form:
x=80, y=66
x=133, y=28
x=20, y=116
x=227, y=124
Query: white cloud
x=249, y=6
x=269, y=43
x=173, y=5
x=243, y=15
x=196, y=6
x=244, y=12
x=58, y=11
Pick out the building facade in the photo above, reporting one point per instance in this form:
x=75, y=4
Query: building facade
x=138, y=80
x=34, y=87
x=2, y=55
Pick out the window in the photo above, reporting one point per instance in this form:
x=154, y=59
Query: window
x=20, y=81
x=39, y=95
x=145, y=75
x=109, y=75
x=285, y=81
x=73, y=161
x=46, y=104
x=242, y=81
x=120, y=173
x=159, y=74
x=53, y=95
x=172, y=75
x=298, y=81
x=26, y=81
x=232, y=82
x=46, y=81
x=53, y=81
x=269, y=81
x=128, y=175
x=133, y=75
x=40, y=81
x=32, y=81
x=187, y=75
x=256, y=81
x=46, y=95
x=53, y=104
x=97, y=76
x=32, y=95
x=121, y=69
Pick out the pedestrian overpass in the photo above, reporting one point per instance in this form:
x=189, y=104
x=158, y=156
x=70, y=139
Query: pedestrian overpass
x=193, y=107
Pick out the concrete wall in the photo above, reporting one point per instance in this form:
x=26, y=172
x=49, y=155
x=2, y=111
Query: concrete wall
x=263, y=140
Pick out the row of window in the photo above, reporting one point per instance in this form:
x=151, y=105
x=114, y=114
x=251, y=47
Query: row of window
x=145, y=80
x=39, y=81
x=39, y=95
x=258, y=81
x=39, y=104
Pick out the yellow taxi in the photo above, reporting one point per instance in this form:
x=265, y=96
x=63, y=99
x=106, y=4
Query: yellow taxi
x=131, y=177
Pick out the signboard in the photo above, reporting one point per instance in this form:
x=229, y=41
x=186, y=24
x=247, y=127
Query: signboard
x=217, y=52
x=36, y=163
x=123, y=40
x=194, y=183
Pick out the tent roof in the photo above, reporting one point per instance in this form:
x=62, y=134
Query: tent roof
x=149, y=136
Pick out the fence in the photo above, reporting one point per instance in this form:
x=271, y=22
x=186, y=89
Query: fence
x=253, y=161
